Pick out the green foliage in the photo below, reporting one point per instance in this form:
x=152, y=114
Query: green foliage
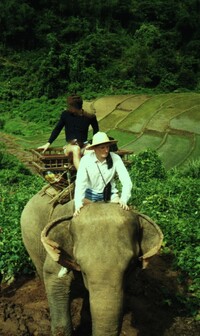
x=17, y=187
x=48, y=50
x=192, y=169
x=32, y=116
x=174, y=204
x=9, y=162
x=41, y=110
x=147, y=165
x=2, y=123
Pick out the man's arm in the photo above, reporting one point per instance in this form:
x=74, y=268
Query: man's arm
x=57, y=129
x=95, y=125
x=125, y=180
x=80, y=184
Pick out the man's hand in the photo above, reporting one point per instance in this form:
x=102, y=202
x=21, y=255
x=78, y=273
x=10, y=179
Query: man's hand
x=77, y=211
x=123, y=205
x=44, y=147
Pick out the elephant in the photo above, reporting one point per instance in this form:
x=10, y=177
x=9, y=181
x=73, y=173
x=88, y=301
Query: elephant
x=102, y=243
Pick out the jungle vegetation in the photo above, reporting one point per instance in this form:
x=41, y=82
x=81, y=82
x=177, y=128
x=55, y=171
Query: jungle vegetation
x=50, y=48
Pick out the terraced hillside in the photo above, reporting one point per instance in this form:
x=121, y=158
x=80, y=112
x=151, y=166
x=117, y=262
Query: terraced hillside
x=167, y=123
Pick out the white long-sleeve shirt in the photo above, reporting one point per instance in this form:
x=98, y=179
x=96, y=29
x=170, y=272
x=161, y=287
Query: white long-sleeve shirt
x=88, y=176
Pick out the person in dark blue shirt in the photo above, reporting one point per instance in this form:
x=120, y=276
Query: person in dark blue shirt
x=76, y=123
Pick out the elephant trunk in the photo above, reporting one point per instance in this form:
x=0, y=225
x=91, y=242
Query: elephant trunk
x=58, y=294
x=106, y=312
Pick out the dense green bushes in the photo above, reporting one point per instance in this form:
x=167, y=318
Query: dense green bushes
x=171, y=198
x=17, y=186
x=86, y=46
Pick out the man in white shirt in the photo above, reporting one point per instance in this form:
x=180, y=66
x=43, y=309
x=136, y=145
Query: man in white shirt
x=96, y=170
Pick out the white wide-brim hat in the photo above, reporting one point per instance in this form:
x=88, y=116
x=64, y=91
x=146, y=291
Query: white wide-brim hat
x=101, y=138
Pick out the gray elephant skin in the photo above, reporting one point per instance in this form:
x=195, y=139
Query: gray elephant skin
x=102, y=242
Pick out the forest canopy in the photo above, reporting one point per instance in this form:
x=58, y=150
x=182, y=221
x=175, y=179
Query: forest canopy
x=50, y=47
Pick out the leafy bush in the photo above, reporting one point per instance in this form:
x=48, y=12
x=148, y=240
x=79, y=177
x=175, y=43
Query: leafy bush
x=2, y=123
x=173, y=200
x=17, y=187
x=192, y=169
x=10, y=165
x=147, y=165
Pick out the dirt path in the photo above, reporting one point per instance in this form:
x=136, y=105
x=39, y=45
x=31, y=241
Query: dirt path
x=15, y=149
x=151, y=307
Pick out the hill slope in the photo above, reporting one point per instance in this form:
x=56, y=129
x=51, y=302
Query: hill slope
x=168, y=123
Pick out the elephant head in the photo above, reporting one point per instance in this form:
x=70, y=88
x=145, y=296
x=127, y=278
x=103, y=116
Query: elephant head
x=105, y=241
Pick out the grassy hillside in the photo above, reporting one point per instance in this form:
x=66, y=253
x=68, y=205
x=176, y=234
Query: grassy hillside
x=167, y=123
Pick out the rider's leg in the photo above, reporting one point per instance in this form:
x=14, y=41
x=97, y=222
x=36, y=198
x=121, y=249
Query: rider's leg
x=76, y=152
x=76, y=155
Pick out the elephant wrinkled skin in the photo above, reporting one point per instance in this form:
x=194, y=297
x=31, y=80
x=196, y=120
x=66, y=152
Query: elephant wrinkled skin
x=103, y=241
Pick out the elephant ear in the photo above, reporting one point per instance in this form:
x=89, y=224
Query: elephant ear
x=151, y=238
x=56, y=252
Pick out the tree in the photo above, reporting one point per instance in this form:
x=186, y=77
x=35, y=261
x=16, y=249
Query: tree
x=17, y=23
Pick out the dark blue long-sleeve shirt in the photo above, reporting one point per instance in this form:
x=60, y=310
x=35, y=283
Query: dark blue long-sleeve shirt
x=76, y=126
